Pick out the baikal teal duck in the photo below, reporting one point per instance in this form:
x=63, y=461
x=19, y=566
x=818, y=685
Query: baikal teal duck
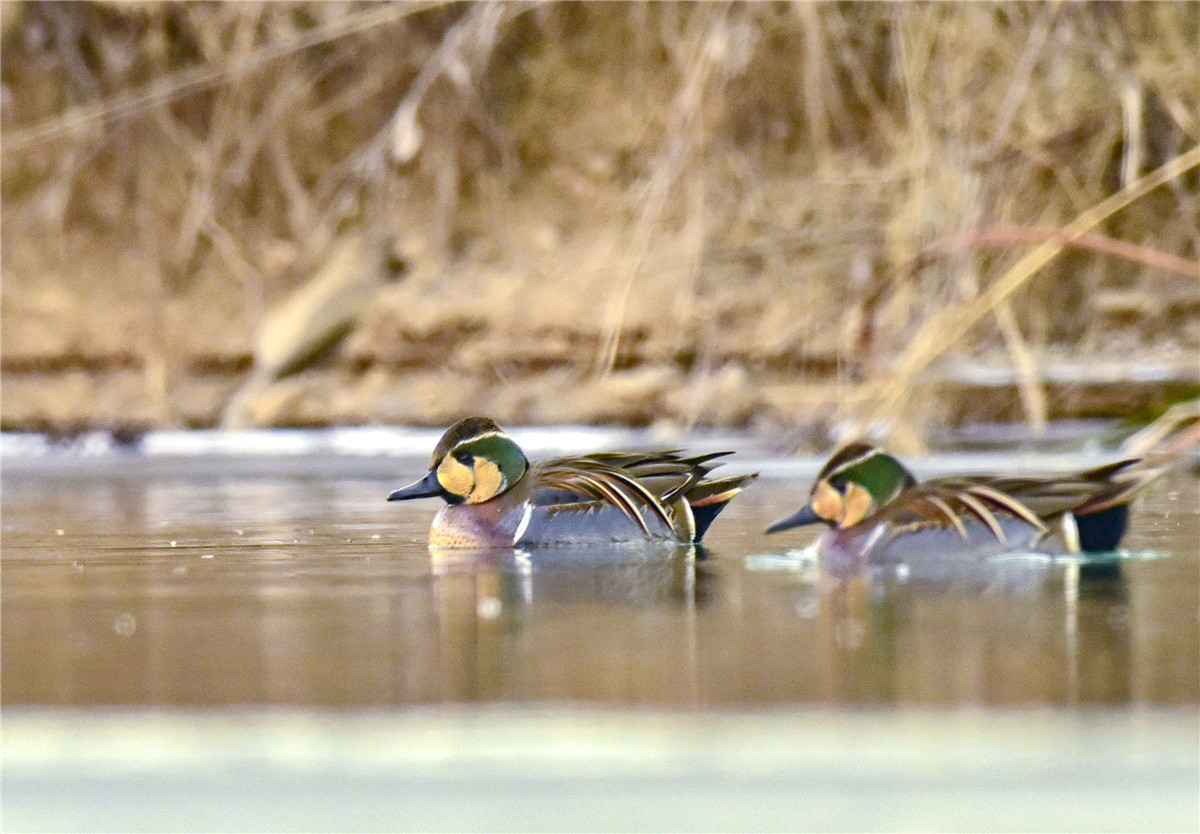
x=879, y=513
x=496, y=498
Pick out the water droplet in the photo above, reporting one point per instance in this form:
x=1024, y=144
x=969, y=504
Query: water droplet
x=488, y=608
x=207, y=556
x=125, y=624
x=60, y=532
x=849, y=633
x=1117, y=617
x=808, y=607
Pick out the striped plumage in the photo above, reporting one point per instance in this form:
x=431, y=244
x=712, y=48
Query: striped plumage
x=496, y=498
x=881, y=513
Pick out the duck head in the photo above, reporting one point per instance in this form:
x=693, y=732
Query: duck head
x=856, y=482
x=474, y=462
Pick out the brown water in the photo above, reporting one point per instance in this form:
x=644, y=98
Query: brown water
x=131, y=585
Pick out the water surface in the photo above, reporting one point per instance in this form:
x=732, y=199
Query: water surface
x=199, y=583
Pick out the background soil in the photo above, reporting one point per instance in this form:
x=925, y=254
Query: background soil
x=672, y=214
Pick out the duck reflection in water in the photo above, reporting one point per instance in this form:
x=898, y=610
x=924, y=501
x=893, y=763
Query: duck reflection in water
x=639, y=577
x=990, y=632
x=574, y=622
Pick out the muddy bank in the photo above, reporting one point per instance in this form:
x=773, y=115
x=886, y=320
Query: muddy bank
x=421, y=356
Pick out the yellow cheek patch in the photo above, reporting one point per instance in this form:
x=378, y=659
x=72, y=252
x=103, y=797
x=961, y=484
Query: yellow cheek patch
x=827, y=503
x=455, y=478
x=858, y=503
x=489, y=481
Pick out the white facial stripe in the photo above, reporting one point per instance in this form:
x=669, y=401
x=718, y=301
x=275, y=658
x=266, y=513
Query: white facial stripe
x=870, y=453
x=476, y=437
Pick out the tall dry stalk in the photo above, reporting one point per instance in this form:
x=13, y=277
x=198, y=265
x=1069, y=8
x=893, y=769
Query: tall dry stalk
x=945, y=329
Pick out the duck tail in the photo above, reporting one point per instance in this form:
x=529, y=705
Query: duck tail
x=1172, y=439
x=709, y=497
x=1169, y=439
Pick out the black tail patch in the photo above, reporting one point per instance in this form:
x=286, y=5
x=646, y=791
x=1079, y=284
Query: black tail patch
x=1101, y=531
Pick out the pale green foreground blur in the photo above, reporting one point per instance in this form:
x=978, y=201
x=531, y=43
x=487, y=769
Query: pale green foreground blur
x=204, y=644
x=505, y=768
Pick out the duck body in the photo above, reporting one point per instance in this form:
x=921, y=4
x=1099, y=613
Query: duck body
x=496, y=498
x=906, y=535
x=879, y=513
x=533, y=525
x=1095, y=501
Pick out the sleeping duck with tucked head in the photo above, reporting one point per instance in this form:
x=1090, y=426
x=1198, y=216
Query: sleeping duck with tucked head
x=496, y=498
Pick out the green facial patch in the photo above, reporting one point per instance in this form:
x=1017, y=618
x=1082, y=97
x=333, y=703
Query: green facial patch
x=880, y=474
x=500, y=450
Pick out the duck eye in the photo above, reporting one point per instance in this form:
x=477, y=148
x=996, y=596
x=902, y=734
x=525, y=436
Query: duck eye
x=464, y=458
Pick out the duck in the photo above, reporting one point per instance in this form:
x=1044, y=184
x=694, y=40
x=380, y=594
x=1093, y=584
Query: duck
x=879, y=513
x=496, y=498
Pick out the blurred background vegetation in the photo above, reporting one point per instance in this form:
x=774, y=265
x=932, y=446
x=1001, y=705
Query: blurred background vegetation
x=782, y=217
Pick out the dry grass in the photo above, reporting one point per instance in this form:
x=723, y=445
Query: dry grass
x=733, y=193
x=948, y=326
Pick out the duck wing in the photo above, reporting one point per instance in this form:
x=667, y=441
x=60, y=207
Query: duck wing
x=635, y=483
x=954, y=503
x=667, y=474
x=597, y=480
x=1079, y=493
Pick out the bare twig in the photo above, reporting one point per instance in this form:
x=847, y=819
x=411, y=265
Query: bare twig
x=401, y=138
x=1009, y=235
x=682, y=138
x=1033, y=397
x=193, y=81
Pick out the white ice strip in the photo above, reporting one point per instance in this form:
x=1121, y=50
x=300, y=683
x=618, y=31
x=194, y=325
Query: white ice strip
x=224, y=443
x=383, y=440
x=1076, y=372
x=22, y=445
x=752, y=454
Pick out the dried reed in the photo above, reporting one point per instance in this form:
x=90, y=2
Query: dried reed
x=732, y=192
